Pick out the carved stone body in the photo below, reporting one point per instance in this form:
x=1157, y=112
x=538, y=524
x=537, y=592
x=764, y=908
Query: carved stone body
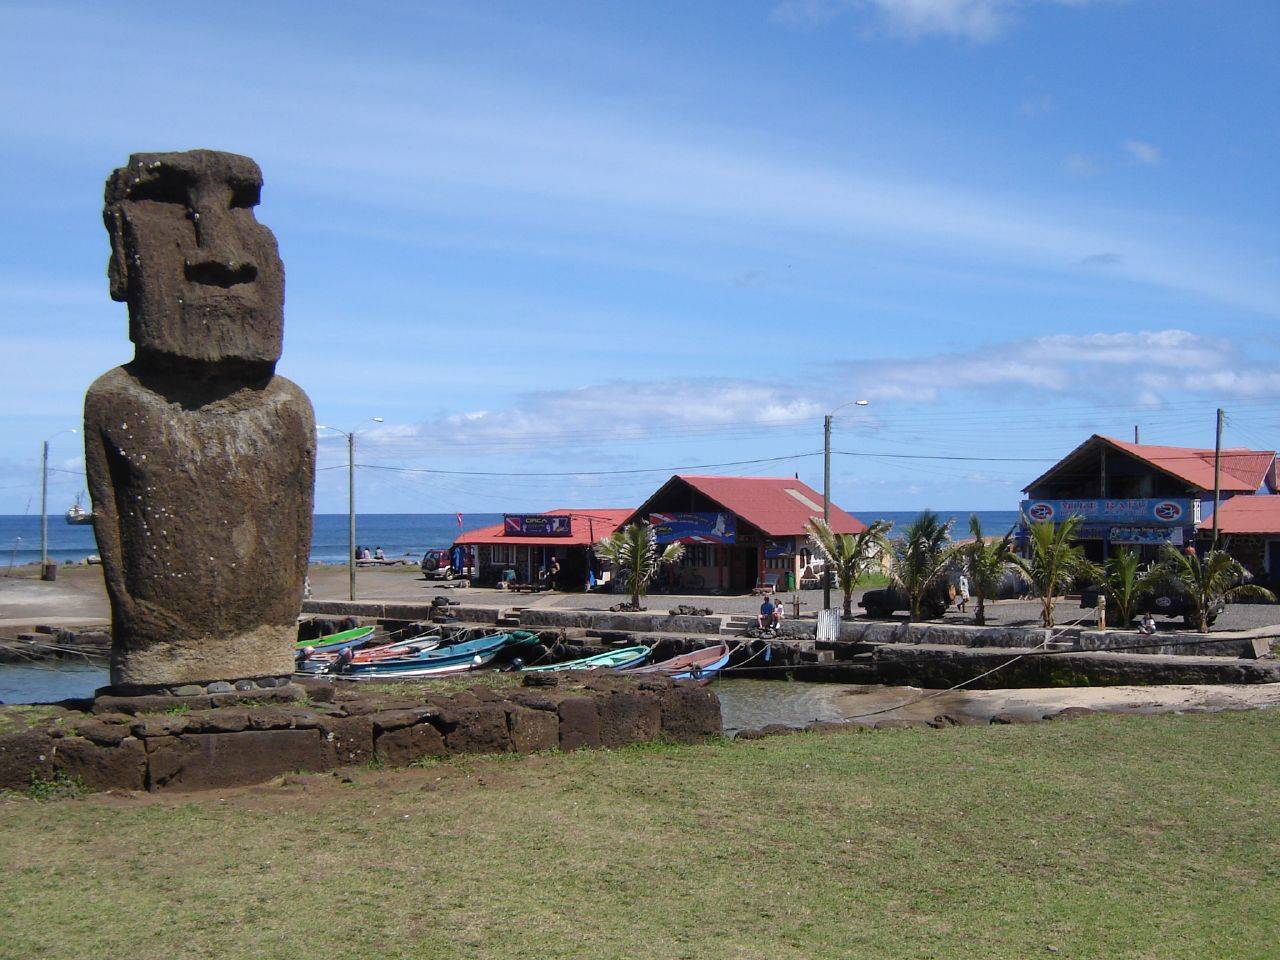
x=200, y=459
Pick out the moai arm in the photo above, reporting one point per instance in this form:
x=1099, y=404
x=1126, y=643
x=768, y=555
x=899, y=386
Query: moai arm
x=106, y=516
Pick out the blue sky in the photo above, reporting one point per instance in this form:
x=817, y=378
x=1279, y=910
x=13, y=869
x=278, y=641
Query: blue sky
x=540, y=238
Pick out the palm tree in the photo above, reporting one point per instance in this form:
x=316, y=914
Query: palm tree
x=849, y=555
x=987, y=561
x=1124, y=582
x=634, y=552
x=921, y=557
x=1208, y=581
x=1054, y=562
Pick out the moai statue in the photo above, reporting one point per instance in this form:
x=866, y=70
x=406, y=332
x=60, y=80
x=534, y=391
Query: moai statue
x=200, y=459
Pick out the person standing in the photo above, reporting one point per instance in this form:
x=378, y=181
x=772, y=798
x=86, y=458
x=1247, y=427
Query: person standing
x=964, y=594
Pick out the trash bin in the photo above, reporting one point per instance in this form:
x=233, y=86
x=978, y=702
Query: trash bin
x=790, y=582
x=49, y=571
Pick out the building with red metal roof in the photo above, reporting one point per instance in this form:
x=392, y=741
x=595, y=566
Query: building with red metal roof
x=1146, y=495
x=738, y=532
x=526, y=543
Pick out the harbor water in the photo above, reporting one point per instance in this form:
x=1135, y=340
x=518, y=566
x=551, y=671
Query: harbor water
x=47, y=682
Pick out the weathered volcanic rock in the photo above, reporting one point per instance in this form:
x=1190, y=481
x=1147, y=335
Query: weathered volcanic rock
x=579, y=723
x=199, y=761
x=403, y=745
x=120, y=766
x=532, y=730
x=200, y=459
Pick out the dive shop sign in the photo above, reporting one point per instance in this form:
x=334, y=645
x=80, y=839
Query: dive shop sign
x=1152, y=511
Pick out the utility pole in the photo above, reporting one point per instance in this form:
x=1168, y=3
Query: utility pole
x=44, y=505
x=44, y=509
x=351, y=515
x=1217, y=477
x=1135, y=434
x=826, y=492
x=351, y=502
x=826, y=504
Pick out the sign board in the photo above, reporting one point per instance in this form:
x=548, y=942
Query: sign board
x=1146, y=536
x=536, y=525
x=694, y=527
x=776, y=547
x=1153, y=511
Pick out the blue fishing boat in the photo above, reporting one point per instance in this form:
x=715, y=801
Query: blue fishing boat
x=622, y=659
x=441, y=661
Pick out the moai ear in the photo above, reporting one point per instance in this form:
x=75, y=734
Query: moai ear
x=118, y=265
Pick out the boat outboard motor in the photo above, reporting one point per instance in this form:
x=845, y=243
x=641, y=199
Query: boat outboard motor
x=517, y=665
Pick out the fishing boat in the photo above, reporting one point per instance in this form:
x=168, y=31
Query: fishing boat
x=622, y=659
x=77, y=514
x=337, y=641
x=701, y=665
x=441, y=661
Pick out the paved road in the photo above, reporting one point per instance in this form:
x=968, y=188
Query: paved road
x=78, y=596
x=330, y=583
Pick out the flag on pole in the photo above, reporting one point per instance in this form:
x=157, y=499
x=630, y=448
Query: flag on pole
x=459, y=521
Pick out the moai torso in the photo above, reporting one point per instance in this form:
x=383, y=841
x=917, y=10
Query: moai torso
x=200, y=459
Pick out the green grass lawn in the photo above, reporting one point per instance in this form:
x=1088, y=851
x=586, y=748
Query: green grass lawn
x=1107, y=837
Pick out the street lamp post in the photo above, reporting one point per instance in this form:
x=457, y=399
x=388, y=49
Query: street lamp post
x=826, y=487
x=351, y=502
x=44, y=503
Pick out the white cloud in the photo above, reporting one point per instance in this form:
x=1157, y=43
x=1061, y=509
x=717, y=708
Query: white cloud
x=1145, y=369
x=1078, y=165
x=1039, y=106
x=976, y=20
x=1142, y=152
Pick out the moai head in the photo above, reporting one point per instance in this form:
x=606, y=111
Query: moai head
x=203, y=279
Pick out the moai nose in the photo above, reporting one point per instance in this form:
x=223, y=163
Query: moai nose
x=220, y=257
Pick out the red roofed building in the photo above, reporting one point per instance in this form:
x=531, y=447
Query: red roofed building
x=738, y=531
x=525, y=543
x=1145, y=495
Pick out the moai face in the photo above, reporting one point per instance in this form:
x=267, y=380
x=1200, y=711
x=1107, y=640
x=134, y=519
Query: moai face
x=203, y=279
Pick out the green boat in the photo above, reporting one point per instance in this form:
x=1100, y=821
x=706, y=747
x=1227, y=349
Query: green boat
x=609, y=660
x=335, y=639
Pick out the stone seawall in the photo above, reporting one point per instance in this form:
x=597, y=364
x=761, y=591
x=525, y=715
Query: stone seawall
x=130, y=745
x=957, y=634
x=631, y=622
x=1243, y=643
x=397, y=610
x=940, y=666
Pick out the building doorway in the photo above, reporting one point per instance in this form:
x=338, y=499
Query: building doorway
x=742, y=569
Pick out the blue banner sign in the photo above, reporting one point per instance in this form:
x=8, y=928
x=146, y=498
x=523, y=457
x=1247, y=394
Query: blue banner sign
x=1146, y=536
x=693, y=527
x=1154, y=511
x=536, y=525
x=779, y=547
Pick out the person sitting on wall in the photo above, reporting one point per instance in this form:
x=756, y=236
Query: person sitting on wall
x=768, y=611
x=1148, y=625
x=777, y=615
x=378, y=554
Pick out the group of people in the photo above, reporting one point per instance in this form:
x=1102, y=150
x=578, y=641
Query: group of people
x=362, y=553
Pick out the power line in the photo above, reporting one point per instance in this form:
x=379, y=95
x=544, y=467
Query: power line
x=587, y=473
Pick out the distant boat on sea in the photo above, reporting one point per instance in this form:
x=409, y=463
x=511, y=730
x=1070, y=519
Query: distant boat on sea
x=77, y=514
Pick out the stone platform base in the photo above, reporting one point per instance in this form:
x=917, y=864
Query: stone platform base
x=124, y=743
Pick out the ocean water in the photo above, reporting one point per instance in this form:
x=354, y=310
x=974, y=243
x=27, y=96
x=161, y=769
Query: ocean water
x=995, y=523
x=399, y=534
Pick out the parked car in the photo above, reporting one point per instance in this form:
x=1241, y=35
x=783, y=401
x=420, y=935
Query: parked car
x=1168, y=602
x=436, y=565
x=887, y=601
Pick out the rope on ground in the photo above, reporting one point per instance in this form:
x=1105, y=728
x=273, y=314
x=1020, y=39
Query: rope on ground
x=964, y=683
